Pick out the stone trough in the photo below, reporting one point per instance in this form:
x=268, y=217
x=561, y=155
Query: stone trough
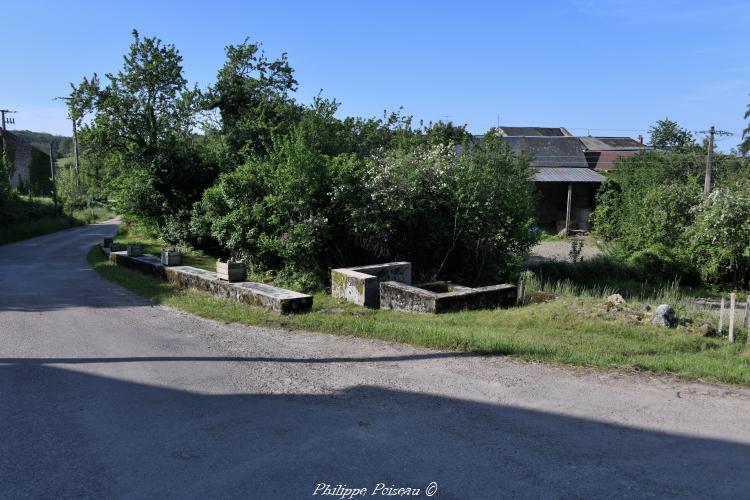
x=441, y=297
x=361, y=284
x=269, y=297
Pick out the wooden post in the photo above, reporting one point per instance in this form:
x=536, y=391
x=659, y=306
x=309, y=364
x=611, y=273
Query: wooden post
x=709, y=161
x=732, y=299
x=721, y=317
x=747, y=311
x=567, y=209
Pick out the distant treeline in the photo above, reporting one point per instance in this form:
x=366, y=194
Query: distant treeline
x=61, y=145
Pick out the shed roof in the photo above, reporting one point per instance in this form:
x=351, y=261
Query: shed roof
x=532, y=131
x=549, y=151
x=611, y=143
x=563, y=174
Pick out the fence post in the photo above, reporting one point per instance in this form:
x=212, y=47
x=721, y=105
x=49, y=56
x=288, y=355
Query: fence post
x=732, y=300
x=721, y=317
x=747, y=308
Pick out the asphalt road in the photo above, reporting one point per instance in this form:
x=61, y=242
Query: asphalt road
x=103, y=395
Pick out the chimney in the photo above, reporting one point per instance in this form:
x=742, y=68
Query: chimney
x=640, y=138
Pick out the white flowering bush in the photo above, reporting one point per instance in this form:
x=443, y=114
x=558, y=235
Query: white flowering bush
x=720, y=236
x=464, y=216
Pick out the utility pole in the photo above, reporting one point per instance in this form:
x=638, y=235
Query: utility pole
x=75, y=142
x=710, y=157
x=709, y=161
x=75, y=153
x=54, y=182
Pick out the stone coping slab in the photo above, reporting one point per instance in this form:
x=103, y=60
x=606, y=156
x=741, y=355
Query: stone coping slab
x=269, y=297
x=360, y=284
x=403, y=297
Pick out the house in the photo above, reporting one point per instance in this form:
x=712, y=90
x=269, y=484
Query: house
x=566, y=185
x=29, y=167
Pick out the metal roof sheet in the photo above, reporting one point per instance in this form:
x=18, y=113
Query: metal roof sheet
x=549, y=151
x=611, y=143
x=566, y=174
x=533, y=131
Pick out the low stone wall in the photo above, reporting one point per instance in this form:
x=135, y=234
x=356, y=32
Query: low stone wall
x=268, y=297
x=144, y=263
x=403, y=297
x=361, y=284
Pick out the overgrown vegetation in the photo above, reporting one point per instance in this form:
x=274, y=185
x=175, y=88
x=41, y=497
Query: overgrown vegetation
x=653, y=211
x=292, y=188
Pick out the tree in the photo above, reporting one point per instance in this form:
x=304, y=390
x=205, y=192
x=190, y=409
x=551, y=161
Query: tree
x=668, y=135
x=252, y=96
x=141, y=131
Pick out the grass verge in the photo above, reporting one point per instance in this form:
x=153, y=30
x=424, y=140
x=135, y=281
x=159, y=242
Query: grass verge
x=551, y=332
x=29, y=216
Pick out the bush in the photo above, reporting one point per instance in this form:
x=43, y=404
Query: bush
x=466, y=217
x=719, y=241
x=460, y=216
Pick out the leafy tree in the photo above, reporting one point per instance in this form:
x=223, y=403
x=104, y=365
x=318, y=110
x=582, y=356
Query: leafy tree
x=252, y=95
x=141, y=132
x=668, y=135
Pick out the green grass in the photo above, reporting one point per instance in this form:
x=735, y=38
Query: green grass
x=570, y=330
x=27, y=216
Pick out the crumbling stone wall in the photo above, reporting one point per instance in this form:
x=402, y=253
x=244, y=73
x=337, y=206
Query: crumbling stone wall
x=29, y=166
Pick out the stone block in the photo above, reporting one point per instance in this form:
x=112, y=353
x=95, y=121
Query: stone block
x=360, y=284
x=403, y=297
x=145, y=263
x=269, y=297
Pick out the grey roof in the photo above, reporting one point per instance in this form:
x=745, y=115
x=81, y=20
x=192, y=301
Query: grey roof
x=611, y=143
x=563, y=174
x=532, y=131
x=549, y=151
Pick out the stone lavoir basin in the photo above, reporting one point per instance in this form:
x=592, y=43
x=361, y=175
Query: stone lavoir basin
x=442, y=296
x=389, y=286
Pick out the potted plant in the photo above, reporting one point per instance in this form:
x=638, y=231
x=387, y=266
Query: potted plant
x=135, y=249
x=231, y=270
x=170, y=256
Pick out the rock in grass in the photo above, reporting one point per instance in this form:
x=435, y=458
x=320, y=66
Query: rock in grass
x=664, y=316
x=707, y=330
x=616, y=300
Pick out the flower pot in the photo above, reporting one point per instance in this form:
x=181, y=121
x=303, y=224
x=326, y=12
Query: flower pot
x=231, y=270
x=107, y=243
x=135, y=249
x=171, y=258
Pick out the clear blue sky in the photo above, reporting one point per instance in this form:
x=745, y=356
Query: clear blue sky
x=581, y=64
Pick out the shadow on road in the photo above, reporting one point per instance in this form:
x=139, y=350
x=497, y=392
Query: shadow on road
x=169, y=359
x=66, y=433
